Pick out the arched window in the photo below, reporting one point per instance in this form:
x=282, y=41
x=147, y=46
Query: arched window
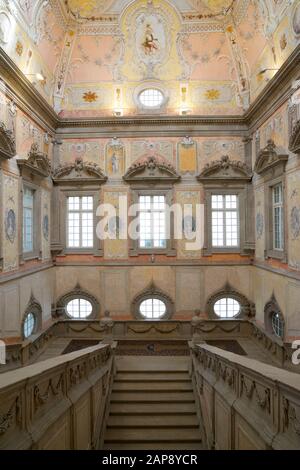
x=227, y=307
x=78, y=305
x=153, y=308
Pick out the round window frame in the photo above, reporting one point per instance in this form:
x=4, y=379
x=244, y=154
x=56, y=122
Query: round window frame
x=61, y=306
x=247, y=308
x=157, y=106
x=88, y=317
x=234, y=317
x=141, y=108
x=153, y=297
x=271, y=308
x=35, y=308
x=272, y=314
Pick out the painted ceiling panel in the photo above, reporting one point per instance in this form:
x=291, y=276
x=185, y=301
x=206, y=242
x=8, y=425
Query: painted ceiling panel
x=97, y=55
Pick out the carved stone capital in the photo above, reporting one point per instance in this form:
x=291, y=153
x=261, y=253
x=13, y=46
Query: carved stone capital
x=7, y=142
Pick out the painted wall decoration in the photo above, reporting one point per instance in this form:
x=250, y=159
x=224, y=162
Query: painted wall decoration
x=187, y=156
x=296, y=20
x=45, y=223
x=90, y=150
x=295, y=222
x=115, y=158
x=5, y=25
x=10, y=216
x=141, y=147
x=10, y=225
x=259, y=225
x=115, y=248
x=191, y=196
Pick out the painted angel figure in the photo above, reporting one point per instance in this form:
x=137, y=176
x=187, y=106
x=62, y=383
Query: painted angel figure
x=150, y=43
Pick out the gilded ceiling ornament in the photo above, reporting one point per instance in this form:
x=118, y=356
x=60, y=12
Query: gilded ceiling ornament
x=212, y=94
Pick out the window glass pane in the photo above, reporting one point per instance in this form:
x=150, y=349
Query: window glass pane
x=277, y=325
x=79, y=308
x=152, y=308
x=152, y=218
x=227, y=307
x=29, y=325
x=80, y=222
x=151, y=98
x=278, y=217
x=28, y=199
x=225, y=220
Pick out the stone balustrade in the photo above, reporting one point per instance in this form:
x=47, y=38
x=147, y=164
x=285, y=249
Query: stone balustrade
x=60, y=403
x=245, y=404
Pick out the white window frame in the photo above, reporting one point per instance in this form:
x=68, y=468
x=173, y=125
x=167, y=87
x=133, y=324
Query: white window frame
x=152, y=211
x=278, y=206
x=153, y=300
x=225, y=211
x=31, y=209
x=79, y=211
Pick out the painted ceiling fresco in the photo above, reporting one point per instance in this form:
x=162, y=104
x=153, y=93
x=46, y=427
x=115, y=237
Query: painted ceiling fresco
x=96, y=56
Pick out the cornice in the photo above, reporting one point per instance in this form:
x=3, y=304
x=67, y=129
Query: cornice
x=25, y=95
x=275, y=94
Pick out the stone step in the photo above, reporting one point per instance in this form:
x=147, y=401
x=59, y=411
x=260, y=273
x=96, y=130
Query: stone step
x=152, y=435
x=154, y=446
x=152, y=420
x=149, y=408
x=153, y=397
x=156, y=376
x=153, y=386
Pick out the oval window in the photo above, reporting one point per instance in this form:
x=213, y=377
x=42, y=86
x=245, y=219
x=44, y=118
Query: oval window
x=79, y=308
x=227, y=307
x=151, y=98
x=277, y=325
x=153, y=308
x=29, y=325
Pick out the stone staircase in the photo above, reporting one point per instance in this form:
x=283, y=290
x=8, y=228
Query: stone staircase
x=152, y=409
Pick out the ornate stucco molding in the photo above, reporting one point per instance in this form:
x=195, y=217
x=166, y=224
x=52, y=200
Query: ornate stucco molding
x=269, y=158
x=225, y=169
x=79, y=172
x=37, y=162
x=7, y=143
x=151, y=168
x=294, y=144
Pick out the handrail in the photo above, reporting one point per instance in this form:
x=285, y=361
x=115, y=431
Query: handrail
x=259, y=403
x=36, y=399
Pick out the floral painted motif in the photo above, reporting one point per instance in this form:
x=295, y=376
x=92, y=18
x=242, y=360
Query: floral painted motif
x=212, y=94
x=90, y=97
